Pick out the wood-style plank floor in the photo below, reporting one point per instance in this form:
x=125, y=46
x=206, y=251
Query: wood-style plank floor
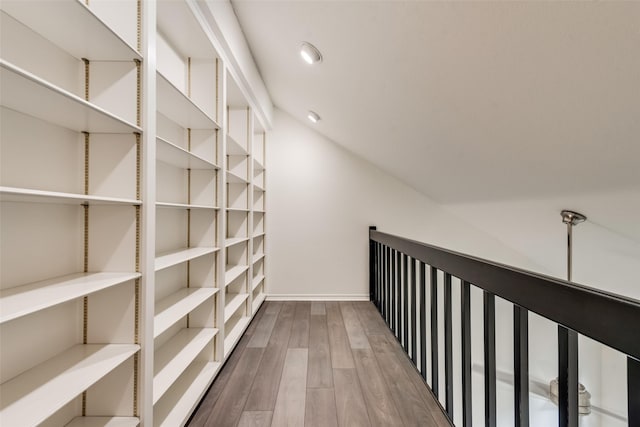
x=318, y=364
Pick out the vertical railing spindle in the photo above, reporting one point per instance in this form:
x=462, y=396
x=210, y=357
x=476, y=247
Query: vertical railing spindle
x=489, y=360
x=399, y=295
x=423, y=322
x=392, y=280
x=434, y=331
x=567, y=377
x=405, y=297
x=448, y=346
x=633, y=391
x=388, y=287
x=466, y=354
x=521, y=365
x=372, y=264
x=414, y=325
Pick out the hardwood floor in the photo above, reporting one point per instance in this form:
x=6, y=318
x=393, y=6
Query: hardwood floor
x=318, y=364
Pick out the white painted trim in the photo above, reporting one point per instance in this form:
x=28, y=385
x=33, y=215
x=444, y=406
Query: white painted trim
x=318, y=297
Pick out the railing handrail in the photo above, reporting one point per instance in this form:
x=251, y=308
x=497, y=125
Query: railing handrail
x=572, y=305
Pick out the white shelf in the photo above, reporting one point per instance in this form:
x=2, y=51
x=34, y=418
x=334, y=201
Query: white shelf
x=25, y=195
x=170, y=205
x=257, y=165
x=30, y=298
x=177, y=305
x=234, y=148
x=234, y=334
x=261, y=234
x=231, y=241
x=88, y=37
x=257, y=187
x=169, y=259
x=177, y=106
x=181, y=399
x=233, y=304
x=232, y=178
x=173, y=358
x=243, y=210
x=33, y=396
x=233, y=273
x=104, y=422
x=259, y=211
x=174, y=155
x=258, y=301
x=257, y=257
x=29, y=94
x=256, y=282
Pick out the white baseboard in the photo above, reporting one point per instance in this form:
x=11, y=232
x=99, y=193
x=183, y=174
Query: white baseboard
x=318, y=297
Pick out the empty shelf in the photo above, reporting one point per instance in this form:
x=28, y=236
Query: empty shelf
x=178, y=107
x=234, y=148
x=259, y=234
x=174, y=357
x=30, y=298
x=238, y=210
x=25, y=195
x=256, y=281
x=176, y=22
x=177, y=305
x=233, y=304
x=183, y=206
x=88, y=37
x=179, y=256
x=55, y=105
x=258, y=187
x=258, y=302
x=174, y=155
x=234, y=334
x=233, y=273
x=232, y=178
x=104, y=422
x=231, y=241
x=257, y=257
x=33, y=396
x=257, y=165
x=180, y=400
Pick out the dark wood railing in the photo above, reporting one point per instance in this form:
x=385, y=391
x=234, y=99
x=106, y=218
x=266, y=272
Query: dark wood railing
x=400, y=270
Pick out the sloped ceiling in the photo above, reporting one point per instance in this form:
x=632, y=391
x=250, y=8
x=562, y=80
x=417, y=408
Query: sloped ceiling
x=469, y=102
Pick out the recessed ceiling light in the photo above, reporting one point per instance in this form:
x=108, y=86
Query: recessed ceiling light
x=313, y=116
x=310, y=53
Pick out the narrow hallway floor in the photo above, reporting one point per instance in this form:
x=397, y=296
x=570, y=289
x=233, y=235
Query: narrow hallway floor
x=318, y=364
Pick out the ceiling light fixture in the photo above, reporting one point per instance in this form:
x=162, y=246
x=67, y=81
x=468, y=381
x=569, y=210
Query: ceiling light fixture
x=313, y=116
x=310, y=53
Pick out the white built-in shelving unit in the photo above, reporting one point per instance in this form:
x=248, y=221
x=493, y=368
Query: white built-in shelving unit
x=90, y=333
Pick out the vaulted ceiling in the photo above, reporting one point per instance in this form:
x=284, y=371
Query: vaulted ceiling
x=468, y=102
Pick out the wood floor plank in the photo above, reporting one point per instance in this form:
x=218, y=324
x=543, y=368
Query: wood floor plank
x=320, y=371
x=371, y=321
x=300, y=329
x=317, y=307
x=412, y=408
x=228, y=408
x=273, y=307
x=355, y=332
x=265, y=387
x=377, y=396
x=414, y=377
x=320, y=408
x=350, y=406
x=290, y=404
x=208, y=402
x=341, y=356
x=255, y=419
x=262, y=333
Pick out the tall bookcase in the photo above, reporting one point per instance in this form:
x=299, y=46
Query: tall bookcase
x=79, y=307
